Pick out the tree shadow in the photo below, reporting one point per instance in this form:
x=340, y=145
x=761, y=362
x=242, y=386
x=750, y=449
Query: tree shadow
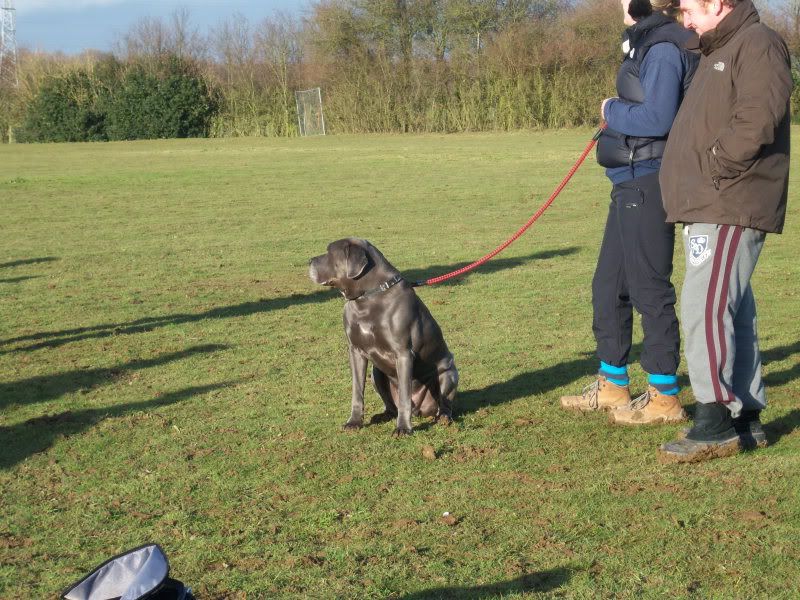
x=493, y=266
x=778, y=354
x=49, y=387
x=28, y=261
x=18, y=279
x=37, y=435
x=543, y=581
x=54, y=339
x=67, y=336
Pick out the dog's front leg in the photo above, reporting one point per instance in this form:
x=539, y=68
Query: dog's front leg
x=448, y=382
x=358, y=369
x=405, y=364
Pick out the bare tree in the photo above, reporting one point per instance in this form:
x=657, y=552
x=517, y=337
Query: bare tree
x=185, y=40
x=278, y=45
x=153, y=37
x=335, y=30
x=474, y=18
x=233, y=47
x=147, y=37
x=235, y=53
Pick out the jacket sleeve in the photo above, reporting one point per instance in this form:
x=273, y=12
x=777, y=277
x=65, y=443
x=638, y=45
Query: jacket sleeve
x=661, y=76
x=763, y=84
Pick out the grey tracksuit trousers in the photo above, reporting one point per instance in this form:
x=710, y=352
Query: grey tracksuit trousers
x=718, y=315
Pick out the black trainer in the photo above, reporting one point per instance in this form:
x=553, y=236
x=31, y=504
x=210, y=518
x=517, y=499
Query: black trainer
x=713, y=435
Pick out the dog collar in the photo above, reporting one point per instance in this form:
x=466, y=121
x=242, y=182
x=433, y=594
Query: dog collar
x=381, y=288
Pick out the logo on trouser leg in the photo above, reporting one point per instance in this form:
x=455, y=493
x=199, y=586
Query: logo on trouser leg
x=698, y=249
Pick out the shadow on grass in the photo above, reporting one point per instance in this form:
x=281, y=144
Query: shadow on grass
x=67, y=336
x=18, y=279
x=28, y=261
x=544, y=581
x=37, y=435
x=565, y=373
x=778, y=354
x=493, y=266
x=788, y=423
x=25, y=261
x=50, y=387
x=54, y=339
x=782, y=426
x=528, y=384
x=578, y=372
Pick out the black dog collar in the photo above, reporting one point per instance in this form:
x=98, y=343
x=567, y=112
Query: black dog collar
x=381, y=288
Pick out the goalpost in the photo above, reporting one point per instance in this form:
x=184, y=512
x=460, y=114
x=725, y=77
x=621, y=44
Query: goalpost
x=310, y=119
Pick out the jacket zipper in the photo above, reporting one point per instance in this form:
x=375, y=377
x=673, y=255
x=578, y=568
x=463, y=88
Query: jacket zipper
x=691, y=111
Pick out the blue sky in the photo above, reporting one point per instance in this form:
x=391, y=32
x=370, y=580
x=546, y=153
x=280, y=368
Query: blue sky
x=71, y=26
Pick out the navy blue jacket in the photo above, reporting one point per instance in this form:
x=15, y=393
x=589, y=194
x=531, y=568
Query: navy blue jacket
x=651, y=83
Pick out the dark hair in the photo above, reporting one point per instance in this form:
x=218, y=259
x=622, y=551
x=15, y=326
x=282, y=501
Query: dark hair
x=639, y=9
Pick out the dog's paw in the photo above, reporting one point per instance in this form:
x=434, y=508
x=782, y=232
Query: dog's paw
x=351, y=426
x=383, y=417
x=401, y=432
x=444, y=420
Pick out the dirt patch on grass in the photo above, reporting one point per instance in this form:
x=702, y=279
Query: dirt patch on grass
x=468, y=453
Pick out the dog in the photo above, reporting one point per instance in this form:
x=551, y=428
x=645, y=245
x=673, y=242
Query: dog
x=386, y=323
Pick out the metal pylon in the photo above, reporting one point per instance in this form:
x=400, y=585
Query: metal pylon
x=8, y=44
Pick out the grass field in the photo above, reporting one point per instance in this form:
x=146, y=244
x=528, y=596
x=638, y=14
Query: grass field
x=169, y=373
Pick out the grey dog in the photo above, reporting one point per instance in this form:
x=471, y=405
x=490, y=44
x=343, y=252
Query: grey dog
x=385, y=322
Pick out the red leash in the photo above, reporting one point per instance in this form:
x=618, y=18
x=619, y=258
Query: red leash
x=524, y=228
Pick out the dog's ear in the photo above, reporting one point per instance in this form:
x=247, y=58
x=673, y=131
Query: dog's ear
x=357, y=260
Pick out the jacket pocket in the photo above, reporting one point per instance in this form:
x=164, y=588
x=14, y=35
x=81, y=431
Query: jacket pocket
x=711, y=169
x=612, y=149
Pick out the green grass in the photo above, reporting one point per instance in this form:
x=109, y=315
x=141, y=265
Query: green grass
x=169, y=373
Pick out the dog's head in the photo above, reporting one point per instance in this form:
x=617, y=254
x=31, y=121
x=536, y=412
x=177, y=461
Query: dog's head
x=345, y=263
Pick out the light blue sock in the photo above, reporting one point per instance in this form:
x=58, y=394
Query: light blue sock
x=666, y=384
x=616, y=375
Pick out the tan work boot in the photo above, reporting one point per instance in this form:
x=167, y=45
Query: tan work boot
x=649, y=408
x=600, y=395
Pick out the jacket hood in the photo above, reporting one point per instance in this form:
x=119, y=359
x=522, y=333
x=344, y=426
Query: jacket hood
x=640, y=29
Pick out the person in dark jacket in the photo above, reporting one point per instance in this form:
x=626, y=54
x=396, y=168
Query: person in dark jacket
x=725, y=177
x=635, y=261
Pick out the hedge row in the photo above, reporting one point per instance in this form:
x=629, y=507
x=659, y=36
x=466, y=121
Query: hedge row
x=114, y=102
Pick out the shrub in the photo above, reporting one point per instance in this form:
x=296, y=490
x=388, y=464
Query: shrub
x=173, y=102
x=67, y=108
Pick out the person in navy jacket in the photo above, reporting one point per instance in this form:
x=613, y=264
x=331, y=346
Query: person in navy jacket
x=634, y=266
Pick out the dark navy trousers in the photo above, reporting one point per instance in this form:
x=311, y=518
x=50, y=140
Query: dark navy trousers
x=633, y=271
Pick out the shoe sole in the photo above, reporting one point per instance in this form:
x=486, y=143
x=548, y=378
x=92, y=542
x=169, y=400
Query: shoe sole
x=745, y=446
x=581, y=409
x=708, y=452
x=758, y=444
x=663, y=420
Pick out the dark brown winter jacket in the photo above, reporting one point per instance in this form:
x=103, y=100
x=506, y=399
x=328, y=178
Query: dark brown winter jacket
x=727, y=157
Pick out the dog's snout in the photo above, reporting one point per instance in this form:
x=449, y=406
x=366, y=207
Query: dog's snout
x=314, y=271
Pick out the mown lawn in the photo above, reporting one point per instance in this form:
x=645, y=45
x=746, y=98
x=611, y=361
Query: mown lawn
x=169, y=373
